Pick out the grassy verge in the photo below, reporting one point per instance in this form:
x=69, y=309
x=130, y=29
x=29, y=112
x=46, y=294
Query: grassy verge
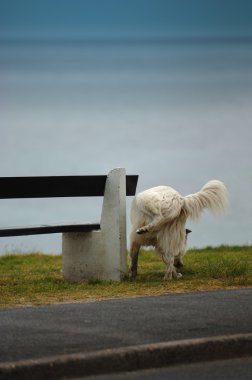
x=35, y=279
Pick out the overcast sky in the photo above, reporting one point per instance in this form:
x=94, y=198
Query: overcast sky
x=125, y=18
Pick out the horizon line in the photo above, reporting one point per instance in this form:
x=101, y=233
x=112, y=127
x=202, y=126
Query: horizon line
x=125, y=39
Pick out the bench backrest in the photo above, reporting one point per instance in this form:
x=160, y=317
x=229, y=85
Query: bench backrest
x=59, y=186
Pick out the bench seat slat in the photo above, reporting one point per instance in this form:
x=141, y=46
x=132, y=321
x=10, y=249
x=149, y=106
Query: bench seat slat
x=48, y=229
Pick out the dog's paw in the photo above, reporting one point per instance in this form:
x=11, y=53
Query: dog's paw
x=167, y=277
x=179, y=275
x=141, y=230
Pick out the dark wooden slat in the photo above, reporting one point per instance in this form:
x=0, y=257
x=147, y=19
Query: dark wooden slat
x=131, y=184
x=59, y=186
x=45, y=187
x=48, y=229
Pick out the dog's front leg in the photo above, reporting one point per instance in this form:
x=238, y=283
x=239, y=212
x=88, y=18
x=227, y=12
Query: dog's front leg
x=170, y=269
x=171, y=273
x=169, y=261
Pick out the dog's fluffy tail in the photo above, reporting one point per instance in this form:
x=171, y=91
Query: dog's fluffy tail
x=212, y=196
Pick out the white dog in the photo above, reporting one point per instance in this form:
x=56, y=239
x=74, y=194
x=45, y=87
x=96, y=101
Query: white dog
x=159, y=215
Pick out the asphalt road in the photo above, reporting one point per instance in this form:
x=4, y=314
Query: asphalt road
x=235, y=369
x=35, y=332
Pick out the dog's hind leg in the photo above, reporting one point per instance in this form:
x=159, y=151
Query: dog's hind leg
x=151, y=227
x=134, y=251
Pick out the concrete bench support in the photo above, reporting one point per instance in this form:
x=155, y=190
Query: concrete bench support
x=100, y=254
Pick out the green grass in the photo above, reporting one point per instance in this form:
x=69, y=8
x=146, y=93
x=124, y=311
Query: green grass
x=35, y=279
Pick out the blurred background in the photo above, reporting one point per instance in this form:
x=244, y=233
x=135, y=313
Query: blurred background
x=160, y=87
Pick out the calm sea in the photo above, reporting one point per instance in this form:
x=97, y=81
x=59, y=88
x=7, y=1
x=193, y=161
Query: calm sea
x=177, y=113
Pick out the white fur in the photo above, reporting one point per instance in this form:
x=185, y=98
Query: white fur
x=159, y=215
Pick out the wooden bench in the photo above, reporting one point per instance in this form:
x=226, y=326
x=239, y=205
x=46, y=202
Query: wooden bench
x=91, y=250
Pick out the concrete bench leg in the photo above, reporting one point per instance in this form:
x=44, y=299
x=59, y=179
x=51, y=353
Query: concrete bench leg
x=100, y=254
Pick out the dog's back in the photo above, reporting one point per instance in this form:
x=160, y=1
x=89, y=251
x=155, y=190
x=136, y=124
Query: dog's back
x=157, y=206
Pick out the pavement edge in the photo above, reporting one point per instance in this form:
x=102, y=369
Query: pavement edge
x=129, y=358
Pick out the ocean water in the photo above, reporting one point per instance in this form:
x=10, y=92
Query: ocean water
x=177, y=113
